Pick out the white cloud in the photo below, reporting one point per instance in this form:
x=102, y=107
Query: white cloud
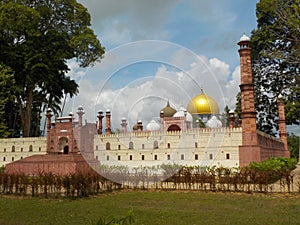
x=121, y=21
x=144, y=101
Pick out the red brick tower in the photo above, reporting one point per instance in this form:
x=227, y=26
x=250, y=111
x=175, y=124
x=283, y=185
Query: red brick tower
x=282, y=124
x=108, y=129
x=100, y=124
x=249, y=151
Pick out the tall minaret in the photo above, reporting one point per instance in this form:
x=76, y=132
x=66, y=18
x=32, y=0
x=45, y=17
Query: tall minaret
x=247, y=93
x=282, y=124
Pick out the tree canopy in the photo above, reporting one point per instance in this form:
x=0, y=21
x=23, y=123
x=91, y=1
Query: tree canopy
x=6, y=96
x=276, y=58
x=37, y=38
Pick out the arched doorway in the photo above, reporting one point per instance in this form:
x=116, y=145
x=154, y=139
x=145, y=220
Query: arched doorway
x=66, y=149
x=63, y=145
x=174, y=127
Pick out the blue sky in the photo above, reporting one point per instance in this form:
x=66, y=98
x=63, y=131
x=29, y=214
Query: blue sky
x=158, y=50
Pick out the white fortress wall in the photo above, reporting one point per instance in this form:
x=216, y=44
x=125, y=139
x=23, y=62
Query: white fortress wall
x=203, y=147
x=12, y=149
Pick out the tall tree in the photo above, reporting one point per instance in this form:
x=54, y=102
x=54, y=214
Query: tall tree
x=276, y=57
x=6, y=96
x=293, y=143
x=37, y=38
x=225, y=117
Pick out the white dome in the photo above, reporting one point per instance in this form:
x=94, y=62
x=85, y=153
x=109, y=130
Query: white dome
x=213, y=122
x=245, y=38
x=153, y=126
x=181, y=113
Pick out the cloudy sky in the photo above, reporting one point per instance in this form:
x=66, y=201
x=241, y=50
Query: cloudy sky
x=159, y=50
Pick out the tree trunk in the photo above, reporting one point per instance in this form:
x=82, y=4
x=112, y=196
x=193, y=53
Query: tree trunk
x=28, y=110
x=25, y=112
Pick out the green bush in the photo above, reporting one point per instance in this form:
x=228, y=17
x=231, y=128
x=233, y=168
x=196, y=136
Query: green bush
x=273, y=168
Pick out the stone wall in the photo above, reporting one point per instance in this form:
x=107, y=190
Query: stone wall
x=12, y=149
x=202, y=147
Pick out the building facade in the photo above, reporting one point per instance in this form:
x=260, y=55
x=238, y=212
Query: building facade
x=177, y=138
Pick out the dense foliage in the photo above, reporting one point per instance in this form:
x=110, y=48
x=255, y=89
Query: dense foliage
x=276, y=58
x=37, y=39
x=293, y=143
x=6, y=96
x=255, y=177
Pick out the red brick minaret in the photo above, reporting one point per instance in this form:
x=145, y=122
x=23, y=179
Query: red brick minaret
x=282, y=124
x=108, y=129
x=250, y=150
x=247, y=93
x=100, y=124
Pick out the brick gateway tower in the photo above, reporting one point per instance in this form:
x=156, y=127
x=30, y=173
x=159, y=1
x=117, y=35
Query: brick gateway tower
x=256, y=146
x=69, y=149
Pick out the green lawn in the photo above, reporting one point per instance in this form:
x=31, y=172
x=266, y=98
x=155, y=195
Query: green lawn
x=155, y=207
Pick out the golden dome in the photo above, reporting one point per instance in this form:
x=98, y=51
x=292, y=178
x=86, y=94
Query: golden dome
x=203, y=104
x=168, y=110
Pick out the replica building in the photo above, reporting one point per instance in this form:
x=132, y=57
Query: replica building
x=177, y=138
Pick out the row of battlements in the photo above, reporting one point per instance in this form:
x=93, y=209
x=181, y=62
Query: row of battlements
x=170, y=133
x=22, y=140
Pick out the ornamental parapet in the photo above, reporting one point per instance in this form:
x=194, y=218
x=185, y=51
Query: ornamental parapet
x=170, y=133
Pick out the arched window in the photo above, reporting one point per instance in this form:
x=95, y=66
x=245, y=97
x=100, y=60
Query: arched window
x=13, y=148
x=155, y=145
x=107, y=146
x=21, y=149
x=131, y=145
x=30, y=148
x=169, y=145
x=143, y=146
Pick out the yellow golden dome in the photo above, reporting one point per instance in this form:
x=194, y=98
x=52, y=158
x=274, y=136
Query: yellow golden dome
x=203, y=104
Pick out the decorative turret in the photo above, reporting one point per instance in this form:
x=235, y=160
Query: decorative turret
x=49, y=115
x=80, y=113
x=108, y=129
x=100, y=124
x=124, y=125
x=140, y=126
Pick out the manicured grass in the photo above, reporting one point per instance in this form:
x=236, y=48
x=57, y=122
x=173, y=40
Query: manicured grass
x=155, y=207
